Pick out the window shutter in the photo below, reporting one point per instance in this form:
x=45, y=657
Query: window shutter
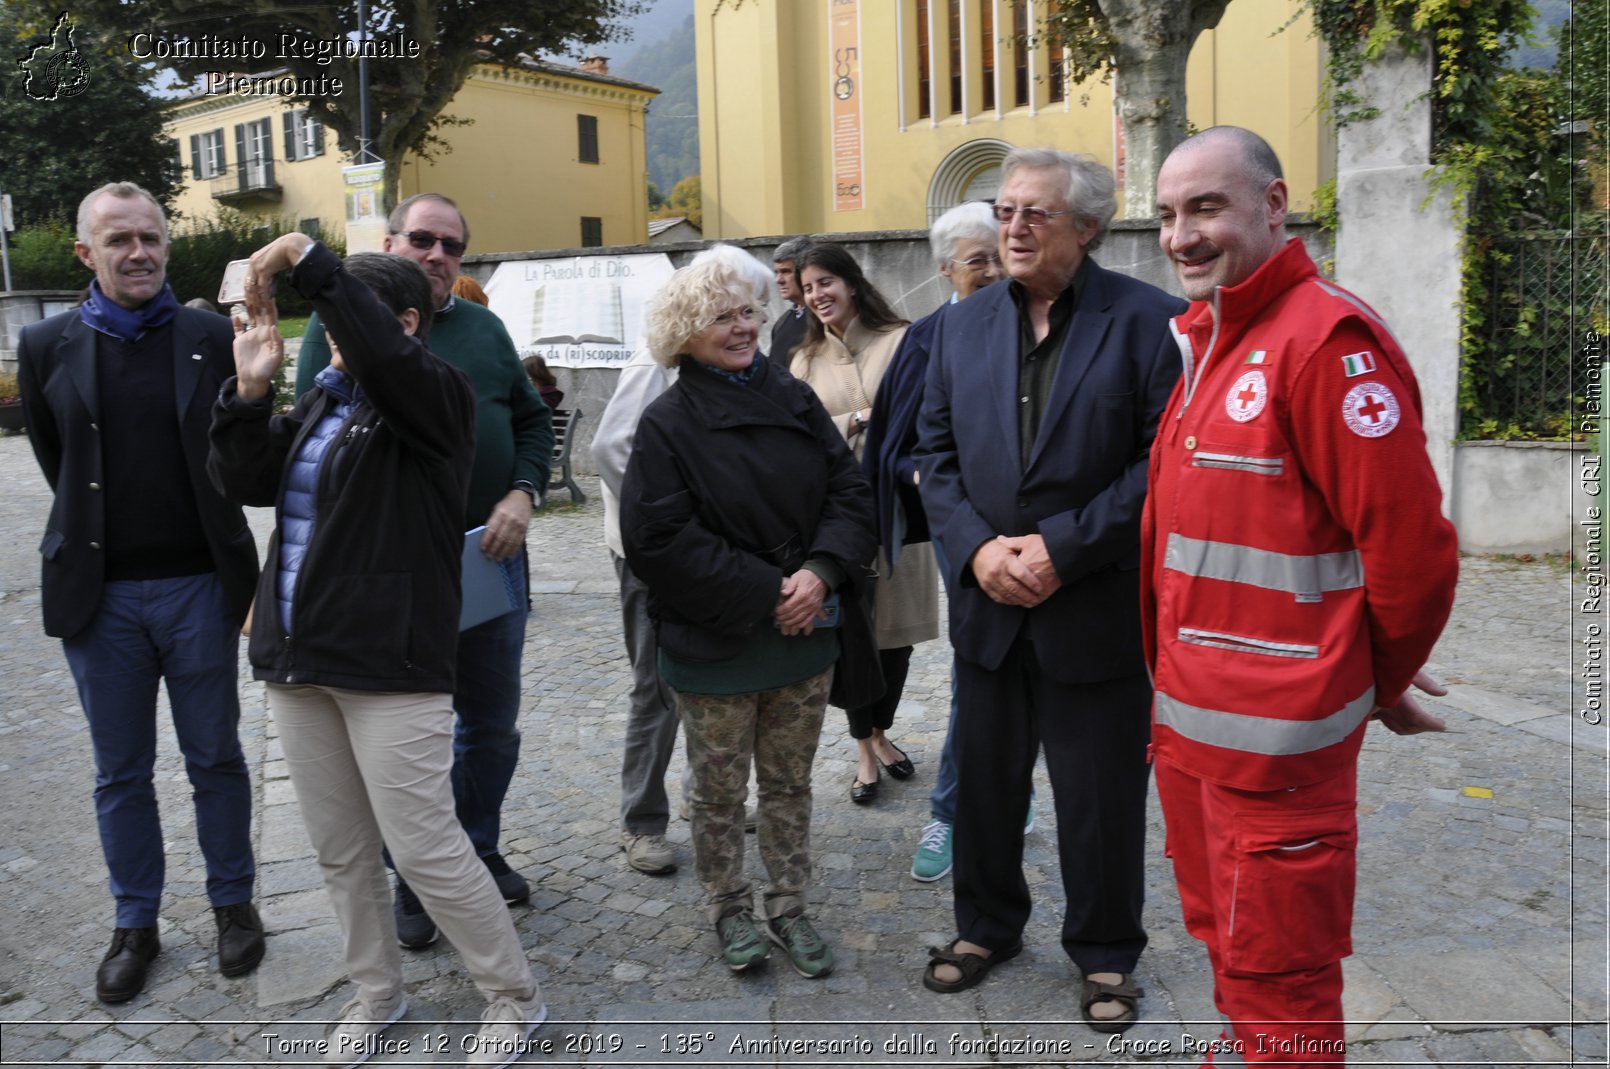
x=289, y=121
x=587, y=138
x=317, y=126
x=240, y=153
x=196, y=170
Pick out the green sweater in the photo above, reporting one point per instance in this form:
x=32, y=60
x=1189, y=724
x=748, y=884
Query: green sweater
x=513, y=427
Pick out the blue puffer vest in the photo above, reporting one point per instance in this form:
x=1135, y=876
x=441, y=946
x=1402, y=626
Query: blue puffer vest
x=302, y=484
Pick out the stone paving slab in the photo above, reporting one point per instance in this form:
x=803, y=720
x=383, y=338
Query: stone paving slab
x=1480, y=930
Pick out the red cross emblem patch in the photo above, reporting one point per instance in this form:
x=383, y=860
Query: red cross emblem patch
x=1247, y=397
x=1370, y=410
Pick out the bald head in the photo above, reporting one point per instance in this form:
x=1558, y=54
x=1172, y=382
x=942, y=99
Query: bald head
x=1221, y=200
x=1258, y=162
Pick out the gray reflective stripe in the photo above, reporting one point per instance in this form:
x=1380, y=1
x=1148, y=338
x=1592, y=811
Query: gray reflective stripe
x=1242, y=644
x=1363, y=309
x=1229, y=461
x=1310, y=575
x=1187, y=359
x=1262, y=734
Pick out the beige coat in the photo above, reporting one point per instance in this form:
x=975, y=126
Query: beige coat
x=845, y=375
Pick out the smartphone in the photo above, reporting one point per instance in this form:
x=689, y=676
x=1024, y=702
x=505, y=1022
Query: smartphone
x=233, y=288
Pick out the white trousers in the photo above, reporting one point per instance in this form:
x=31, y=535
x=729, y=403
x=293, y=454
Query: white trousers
x=374, y=769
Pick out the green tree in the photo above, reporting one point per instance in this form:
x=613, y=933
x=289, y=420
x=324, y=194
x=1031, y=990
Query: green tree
x=406, y=96
x=685, y=200
x=74, y=114
x=1149, y=42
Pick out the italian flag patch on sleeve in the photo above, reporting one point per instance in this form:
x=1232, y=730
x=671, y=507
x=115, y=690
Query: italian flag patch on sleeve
x=1358, y=363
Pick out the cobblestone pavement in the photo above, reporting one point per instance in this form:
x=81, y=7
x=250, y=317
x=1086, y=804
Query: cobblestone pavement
x=1480, y=937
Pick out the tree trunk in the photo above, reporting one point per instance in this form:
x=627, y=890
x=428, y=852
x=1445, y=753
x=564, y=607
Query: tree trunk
x=1152, y=42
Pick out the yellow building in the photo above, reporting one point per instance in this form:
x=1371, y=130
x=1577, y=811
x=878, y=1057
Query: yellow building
x=553, y=158
x=853, y=115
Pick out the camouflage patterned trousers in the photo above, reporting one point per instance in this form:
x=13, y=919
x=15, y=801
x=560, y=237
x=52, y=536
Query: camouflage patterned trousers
x=780, y=728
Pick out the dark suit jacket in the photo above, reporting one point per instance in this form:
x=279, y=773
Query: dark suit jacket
x=1085, y=480
x=62, y=404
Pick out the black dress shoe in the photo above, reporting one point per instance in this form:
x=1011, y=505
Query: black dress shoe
x=865, y=793
x=122, y=972
x=240, y=938
x=901, y=769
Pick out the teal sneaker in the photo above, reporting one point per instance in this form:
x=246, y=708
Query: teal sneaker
x=933, y=853
x=809, y=954
x=742, y=945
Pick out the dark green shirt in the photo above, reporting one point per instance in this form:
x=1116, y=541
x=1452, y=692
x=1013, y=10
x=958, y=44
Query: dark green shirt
x=1037, y=361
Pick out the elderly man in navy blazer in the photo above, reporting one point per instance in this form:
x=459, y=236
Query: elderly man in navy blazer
x=1042, y=400
x=148, y=571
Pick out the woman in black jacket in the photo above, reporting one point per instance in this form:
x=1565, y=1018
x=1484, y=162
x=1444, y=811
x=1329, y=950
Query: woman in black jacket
x=751, y=524
x=356, y=620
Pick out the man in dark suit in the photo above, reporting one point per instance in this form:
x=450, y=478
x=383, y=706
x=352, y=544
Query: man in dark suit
x=148, y=572
x=1042, y=401
x=789, y=330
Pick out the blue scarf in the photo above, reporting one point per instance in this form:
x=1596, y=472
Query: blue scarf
x=129, y=324
x=740, y=377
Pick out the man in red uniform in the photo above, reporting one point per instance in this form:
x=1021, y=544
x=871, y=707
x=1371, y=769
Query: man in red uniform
x=1296, y=572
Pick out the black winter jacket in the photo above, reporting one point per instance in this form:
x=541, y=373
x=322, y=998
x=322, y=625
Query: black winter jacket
x=378, y=592
x=729, y=490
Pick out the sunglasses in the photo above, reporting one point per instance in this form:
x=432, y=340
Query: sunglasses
x=424, y=241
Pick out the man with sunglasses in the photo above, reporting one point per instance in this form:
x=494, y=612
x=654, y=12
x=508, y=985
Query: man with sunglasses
x=1041, y=404
x=513, y=453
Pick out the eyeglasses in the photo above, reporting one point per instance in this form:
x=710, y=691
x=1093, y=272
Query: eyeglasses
x=747, y=314
x=424, y=241
x=1031, y=216
x=976, y=262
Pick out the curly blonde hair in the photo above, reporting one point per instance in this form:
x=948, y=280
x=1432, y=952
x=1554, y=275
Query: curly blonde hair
x=689, y=303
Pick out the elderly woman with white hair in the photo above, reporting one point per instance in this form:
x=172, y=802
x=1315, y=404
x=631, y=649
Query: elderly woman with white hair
x=749, y=521
x=651, y=718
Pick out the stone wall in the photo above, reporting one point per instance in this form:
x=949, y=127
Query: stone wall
x=898, y=262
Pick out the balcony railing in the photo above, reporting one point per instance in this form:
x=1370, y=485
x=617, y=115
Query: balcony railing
x=251, y=180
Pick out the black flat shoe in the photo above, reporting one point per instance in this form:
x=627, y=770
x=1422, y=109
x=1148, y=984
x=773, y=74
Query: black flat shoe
x=901, y=769
x=865, y=793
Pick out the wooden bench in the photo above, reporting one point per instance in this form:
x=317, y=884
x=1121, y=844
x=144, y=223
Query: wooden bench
x=565, y=423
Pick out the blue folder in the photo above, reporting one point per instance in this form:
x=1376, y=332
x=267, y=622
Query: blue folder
x=491, y=588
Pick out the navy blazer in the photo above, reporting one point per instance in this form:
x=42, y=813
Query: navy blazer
x=1085, y=479
x=62, y=404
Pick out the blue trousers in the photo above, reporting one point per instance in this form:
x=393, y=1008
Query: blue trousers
x=177, y=631
x=486, y=733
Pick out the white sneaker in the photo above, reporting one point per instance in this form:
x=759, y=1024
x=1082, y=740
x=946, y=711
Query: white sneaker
x=358, y=1028
x=504, y=1028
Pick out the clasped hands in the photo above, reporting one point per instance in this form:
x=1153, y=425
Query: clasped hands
x=1016, y=570
x=260, y=349
x=799, y=604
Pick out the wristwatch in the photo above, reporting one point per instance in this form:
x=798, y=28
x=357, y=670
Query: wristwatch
x=528, y=486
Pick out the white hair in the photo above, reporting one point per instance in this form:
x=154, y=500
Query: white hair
x=973, y=220
x=751, y=270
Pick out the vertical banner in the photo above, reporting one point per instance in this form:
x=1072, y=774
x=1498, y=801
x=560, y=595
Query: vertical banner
x=1120, y=148
x=844, y=52
x=366, y=221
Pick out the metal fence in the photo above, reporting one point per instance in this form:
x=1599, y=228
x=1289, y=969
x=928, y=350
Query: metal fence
x=1543, y=294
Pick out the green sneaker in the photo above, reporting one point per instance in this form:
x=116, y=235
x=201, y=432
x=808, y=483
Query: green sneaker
x=933, y=853
x=806, y=951
x=742, y=945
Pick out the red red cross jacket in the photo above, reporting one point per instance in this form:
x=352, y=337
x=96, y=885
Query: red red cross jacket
x=1297, y=568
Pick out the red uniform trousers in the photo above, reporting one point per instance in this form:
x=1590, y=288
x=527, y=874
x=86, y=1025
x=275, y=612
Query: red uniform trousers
x=1266, y=882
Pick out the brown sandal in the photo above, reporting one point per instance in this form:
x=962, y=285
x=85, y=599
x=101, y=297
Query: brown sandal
x=973, y=967
x=1125, y=991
